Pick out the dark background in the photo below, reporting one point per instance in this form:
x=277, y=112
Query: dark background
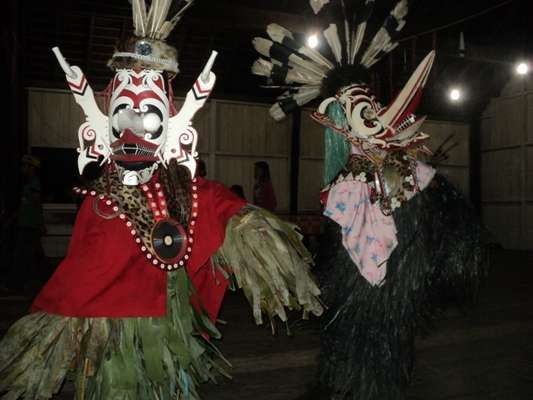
x=87, y=31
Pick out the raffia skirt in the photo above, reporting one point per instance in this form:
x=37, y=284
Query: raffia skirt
x=368, y=335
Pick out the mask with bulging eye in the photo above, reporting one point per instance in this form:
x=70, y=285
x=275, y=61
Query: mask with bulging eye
x=147, y=125
x=389, y=127
x=139, y=114
x=361, y=111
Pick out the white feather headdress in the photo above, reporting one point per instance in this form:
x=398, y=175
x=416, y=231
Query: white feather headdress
x=147, y=49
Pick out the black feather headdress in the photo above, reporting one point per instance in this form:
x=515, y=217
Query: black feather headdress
x=306, y=72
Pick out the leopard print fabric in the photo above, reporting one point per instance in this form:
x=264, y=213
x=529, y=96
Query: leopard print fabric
x=396, y=170
x=357, y=165
x=132, y=203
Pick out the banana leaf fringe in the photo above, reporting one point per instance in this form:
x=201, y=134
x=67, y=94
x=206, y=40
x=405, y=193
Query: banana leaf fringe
x=270, y=263
x=113, y=359
x=368, y=339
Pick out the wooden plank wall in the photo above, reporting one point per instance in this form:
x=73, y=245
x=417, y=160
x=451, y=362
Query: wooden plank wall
x=310, y=181
x=233, y=135
x=507, y=165
x=244, y=133
x=457, y=167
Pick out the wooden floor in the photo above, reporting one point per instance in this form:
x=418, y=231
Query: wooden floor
x=486, y=353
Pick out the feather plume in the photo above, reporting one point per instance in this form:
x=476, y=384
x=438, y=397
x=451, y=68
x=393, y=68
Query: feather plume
x=387, y=49
x=166, y=29
x=262, y=46
x=332, y=37
x=178, y=7
x=362, y=14
x=317, y=5
x=306, y=72
x=303, y=66
x=283, y=36
x=347, y=38
x=168, y=26
x=262, y=67
x=159, y=15
x=306, y=93
x=383, y=43
x=318, y=58
x=150, y=18
x=280, y=75
x=139, y=17
x=278, y=33
x=276, y=112
x=154, y=24
x=348, y=17
x=290, y=101
x=286, y=56
x=357, y=41
x=156, y=16
x=400, y=11
x=302, y=77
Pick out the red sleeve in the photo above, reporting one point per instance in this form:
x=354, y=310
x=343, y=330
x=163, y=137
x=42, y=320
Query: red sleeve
x=217, y=205
x=227, y=203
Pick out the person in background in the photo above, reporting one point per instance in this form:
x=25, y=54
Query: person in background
x=264, y=195
x=201, y=168
x=238, y=190
x=29, y=226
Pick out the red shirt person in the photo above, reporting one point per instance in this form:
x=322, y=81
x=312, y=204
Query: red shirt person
x=264, y=195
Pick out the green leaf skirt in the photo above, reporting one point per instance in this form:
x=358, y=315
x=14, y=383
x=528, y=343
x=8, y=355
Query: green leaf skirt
x=113, y=358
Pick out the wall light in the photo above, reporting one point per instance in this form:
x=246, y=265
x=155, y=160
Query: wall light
x=455, y=94
x=312, y=41
x=522, y=68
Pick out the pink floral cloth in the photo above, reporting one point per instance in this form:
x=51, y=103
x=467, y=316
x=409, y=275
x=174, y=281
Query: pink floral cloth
x=368, y=235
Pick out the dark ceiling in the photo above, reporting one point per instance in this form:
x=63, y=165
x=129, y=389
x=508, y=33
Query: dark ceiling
x=86, y=31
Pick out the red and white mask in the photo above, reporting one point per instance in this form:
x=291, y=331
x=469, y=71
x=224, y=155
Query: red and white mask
x=390, y=127
x=138, y=133
x=138, y=122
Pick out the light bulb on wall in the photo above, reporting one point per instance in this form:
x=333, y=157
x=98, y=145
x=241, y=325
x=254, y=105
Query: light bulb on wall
x=522, y=68
x=312, y=41
x=455, y=94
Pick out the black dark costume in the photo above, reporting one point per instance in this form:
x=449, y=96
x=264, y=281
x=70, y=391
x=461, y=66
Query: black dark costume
x=367, y=346
x=399, y=242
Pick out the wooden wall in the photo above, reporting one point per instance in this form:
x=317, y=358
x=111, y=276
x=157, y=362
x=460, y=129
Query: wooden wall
x=53, y=119
x=310, y=181
x=457, y=167
x=234, y=135
x=507, y=165
x=242, y=134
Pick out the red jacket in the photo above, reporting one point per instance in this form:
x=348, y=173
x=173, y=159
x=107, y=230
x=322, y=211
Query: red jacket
x=105, y=274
